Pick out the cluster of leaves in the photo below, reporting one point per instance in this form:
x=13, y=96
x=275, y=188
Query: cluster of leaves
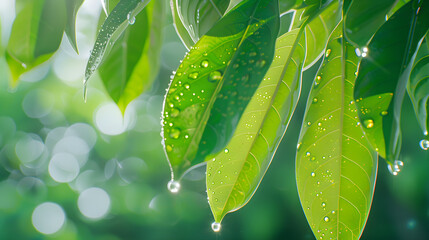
x=231, y=99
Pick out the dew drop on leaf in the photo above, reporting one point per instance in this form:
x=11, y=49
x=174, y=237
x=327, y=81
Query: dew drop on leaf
x=328, y=51
x=368, y=123
x=173, y=186
x=396, y=167
x=326, y=219
x=187, y=86
x=204, y=63
x=226, y=150
x=131, y=18
x=193, y=75
x=175, y=133
x=168, y=148
x=216, y=227
x=323, y=204
x=313, y=174
x=215, y=76
x=174, y=112
x=383, y=113
x=424, y=144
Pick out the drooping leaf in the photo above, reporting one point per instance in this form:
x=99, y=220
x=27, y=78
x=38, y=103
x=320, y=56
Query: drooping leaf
x=72, y=6
x=180, y=28
x=36, y=34
x=133, y=61
x=383, y=75
x=318, y=32
x=121, y=16
x=215, y=82
x=335, y=166
x=234, y=174
x=363, y=18
x=418, y=86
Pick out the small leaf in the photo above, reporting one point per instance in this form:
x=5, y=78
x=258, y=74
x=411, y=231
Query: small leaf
x=233, y=175
x=133, y=61
x=72, y=6
x=180, y=28
x=383, y=75
x=418, y=86
x=215, y=82
x=363, y=18
x=118, y=20
x=335, y=166
x=36, y=34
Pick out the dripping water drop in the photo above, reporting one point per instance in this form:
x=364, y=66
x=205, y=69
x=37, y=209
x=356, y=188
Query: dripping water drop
x=173, y=186
x=216, y=227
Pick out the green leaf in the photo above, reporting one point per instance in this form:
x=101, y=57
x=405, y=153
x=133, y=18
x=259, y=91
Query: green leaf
x=133, y=61
x=36, y=34
x=383, y=76
x=180, y=28
x=234, y=175
x=363, y=18
x=215, y=82
x=72, y=6
x=122, y=15
x=318, y=32
x=335, y=166
x=418, y=86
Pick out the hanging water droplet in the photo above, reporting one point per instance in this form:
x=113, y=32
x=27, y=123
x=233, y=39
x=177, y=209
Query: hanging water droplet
x=358, y=52
x=131, y=18
x=216, y=227
x=204, y=63
x=215, y=76
x=396, y=167
x=326, y=219
x=424, y=144
x=173, y=186
x=368, y=123
x=175, y=133
x=193, y=75
x=328, y=51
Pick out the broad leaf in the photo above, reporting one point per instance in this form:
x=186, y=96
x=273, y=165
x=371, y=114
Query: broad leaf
x=363, y=18
x=122, y=15
x=418, y=86
x=215, y=82
x=72, y=6
x=335, y=166
x=133, y=61
x=383, y=76
x=233, y=175
x=36, y=34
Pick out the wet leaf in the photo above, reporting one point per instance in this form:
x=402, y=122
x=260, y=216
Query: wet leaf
x=36, y=34
x=72, y=6
x=418, y=86
x=363, y=18
x=121, y=16
x=335, y=166
x=383, y=76
x=215, y=82
x=234, y=174
x=133, y=61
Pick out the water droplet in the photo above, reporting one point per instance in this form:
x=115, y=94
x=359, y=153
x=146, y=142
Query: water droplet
x=317, y=81
x=226, y=150
x=424, y=144
x=323, y=204
x=131, y=18
x=326, y=219
x=396, y=167
x=193, y=75
x=216, y=227
x=173, y=186
x=215, y=76
x=315, y=100
x=168, y=148
x=174, y=112
x=383, y=113
x=24, y=65
x=187, y=86
x=307, y=154
x=298, y=145
x=368, y=123
x=175, y=133
x=204, y=63
x=328, y=51
x=308, y=123
x=313, y=174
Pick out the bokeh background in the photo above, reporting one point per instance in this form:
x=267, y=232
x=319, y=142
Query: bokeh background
x=74, y=170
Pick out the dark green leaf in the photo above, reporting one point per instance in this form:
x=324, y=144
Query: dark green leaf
x=383, y=76
x=335, y=166
x=122, y=15
x=363, y=18
x=133, y=62
x=72, y=6
x=418, y=86
x=215, y=82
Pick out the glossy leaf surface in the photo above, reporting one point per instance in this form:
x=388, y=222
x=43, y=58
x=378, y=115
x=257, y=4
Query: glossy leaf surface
x=363, y=18
x=418, y=86
x=234, y=174
x=182, y=32
x=36, y=34
x=72, y=6
x=335, y=166
x=133, y=62
x=121, y=16
x=215, y=82
x=383, y=76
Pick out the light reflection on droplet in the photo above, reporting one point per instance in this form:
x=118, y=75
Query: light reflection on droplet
x=424, y=144
x=216, y=227
x=94, y=203
x=173, y=186
x=48, y=218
